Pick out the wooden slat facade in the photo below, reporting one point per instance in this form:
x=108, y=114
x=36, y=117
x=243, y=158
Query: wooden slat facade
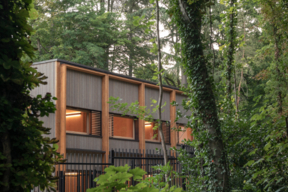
x=179, y=99
x=152, y=94
x=123, y=144
x=84, y=90
x=153, y=146
x=88, y=89
x=127, y=92
x=83, y=142
x=49, y=70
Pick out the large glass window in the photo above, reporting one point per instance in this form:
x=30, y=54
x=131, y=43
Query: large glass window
x=184, y=134
x=76, y=121
x=122, y=127
x=149, y=132
x=83, y=122
x=153, y=135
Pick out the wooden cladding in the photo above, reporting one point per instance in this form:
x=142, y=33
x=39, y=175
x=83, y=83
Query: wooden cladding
x=83, y=90
x=123, y=127
x=179, y=100
x=95, y=123
x=152, y=94
x=166, y=132
x=111, y=132
x=127, y=92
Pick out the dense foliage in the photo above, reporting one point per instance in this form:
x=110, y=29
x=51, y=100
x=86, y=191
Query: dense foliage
x=26, y=156
x=118, y=178
x=233, y=53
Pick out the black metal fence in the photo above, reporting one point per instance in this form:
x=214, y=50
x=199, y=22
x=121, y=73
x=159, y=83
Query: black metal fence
x=78, y=173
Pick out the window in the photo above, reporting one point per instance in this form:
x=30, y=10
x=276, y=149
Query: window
x=121, y=127
x=76, y=121
x=149, y=132
x=184, y=133
x=83, y=122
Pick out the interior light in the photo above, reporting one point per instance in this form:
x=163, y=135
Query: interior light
x=71, y=173
x=73, y=115
x=76, y=112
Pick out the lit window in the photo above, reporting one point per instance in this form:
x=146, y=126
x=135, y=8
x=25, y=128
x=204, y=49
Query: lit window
x=85, y=122
x=149, y=132
x=76, y=121
x=122, y=127
x=184, y=133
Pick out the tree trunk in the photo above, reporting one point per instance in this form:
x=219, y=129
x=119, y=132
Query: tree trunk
x=190, y=24
x=5, y=139
x=239, y=89
x=230, y=53
x=183, y=78
x=211, y=40
x=160, y=89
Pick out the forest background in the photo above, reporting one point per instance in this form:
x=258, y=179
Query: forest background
x=248, y=71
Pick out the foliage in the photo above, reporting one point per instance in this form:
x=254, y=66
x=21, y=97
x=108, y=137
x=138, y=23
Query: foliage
x=26, y=157
x=117, y=178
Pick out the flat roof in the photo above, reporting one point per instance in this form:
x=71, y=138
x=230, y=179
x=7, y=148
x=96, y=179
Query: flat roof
x=102, y=70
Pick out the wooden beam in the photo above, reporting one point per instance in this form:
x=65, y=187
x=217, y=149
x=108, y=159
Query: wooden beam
x=141, y=95
x=62, y=109
x=57, y=112
x=157, y=87
x=125, y=79
x=105, y=117
x=117, y=77
x=92, y=72
x=172, y=118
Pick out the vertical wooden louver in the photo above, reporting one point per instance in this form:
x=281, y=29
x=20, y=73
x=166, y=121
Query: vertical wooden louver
x=166, y=131
x=95, y=123
x=111, y=131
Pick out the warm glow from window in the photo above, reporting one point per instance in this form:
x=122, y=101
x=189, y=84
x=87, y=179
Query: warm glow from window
x=184, y=133
x=76, y=121
x=123, y=127
x=149, y=132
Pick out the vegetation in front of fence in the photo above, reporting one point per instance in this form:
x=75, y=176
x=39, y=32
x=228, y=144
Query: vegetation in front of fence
x=26, y=157
x=119, y=178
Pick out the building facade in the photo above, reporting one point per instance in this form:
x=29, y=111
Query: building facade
x=84, y=121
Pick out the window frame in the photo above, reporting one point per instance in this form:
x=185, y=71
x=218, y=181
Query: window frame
x=159, y=139
x=178, y=125
x=134, y=127
x=88, y=122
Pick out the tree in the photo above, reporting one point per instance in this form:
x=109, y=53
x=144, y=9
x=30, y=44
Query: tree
x=26, y=157
x=188, y=16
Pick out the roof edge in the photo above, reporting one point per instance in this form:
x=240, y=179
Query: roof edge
x=103, y=71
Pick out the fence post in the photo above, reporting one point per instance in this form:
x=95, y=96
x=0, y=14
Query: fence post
x=133, y=167
x=112, y=157
x=61, y=181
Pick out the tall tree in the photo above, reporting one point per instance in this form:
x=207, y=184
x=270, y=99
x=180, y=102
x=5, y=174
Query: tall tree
x=26, y=158
x=188, y=16
x=160, y=86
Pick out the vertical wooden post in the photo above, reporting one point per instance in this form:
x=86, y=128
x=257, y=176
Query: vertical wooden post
x=141, y=95
x=57, y=112
x=62, y=110
x=105, y=117
x=172, y=118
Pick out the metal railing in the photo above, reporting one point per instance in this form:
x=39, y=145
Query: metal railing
x=78, y=174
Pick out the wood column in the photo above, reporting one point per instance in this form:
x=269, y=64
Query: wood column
x=105, y=117
x=57, y=112
x=62, y=108
x=141, y=95
x=173, y=133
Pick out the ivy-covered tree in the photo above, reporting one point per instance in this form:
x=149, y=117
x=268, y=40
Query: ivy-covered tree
x=26, y=155
x=188, y=16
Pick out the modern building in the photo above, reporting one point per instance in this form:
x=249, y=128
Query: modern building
x=84, y=122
